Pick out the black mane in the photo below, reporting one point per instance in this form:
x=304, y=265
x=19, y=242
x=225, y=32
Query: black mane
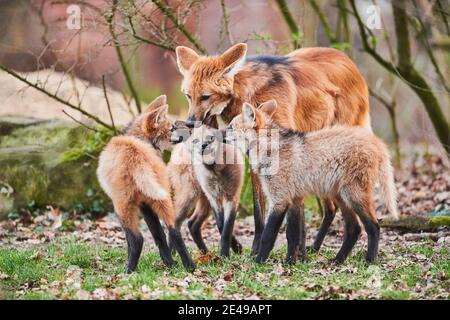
x=289, y=133
x=269, y=60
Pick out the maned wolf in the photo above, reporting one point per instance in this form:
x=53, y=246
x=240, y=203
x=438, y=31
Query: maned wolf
x=339, y=162
x=314, y=88
x=219, y=168
x=186, y=189
x=133, y=174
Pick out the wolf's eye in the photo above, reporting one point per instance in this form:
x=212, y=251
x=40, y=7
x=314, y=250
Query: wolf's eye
x=188, y=96
x=211, y=138
x=204, y=98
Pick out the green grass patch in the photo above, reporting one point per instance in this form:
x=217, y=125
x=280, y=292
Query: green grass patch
x=66, y=268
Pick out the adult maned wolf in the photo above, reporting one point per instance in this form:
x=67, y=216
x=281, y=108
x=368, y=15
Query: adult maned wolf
x=314, y=88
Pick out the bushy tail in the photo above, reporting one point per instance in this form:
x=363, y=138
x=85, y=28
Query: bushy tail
x=146, y=182
x=388, y=190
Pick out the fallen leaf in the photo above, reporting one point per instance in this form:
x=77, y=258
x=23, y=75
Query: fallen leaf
x=205, y=258
x=228, y=276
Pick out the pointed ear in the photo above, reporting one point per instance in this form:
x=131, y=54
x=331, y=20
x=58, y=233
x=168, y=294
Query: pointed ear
x=155, y=116
x=158, y=102
x=248, y=113
x=185, y=58
x=268, y=107
x=234, y=58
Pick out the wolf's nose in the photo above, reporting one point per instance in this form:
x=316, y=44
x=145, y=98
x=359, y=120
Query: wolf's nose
x=190, y=123
x=204, y=146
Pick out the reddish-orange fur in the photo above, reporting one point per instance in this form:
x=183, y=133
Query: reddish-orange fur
x=123, y=155
x=133, y=174
x=314, y=88
x=320, y=87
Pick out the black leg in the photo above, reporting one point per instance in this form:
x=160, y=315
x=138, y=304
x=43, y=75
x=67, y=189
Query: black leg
x=351, y=233
x=182, y=215
x=195, y=228
x=158, y=234
x=219, y=219
x=373, y=236
x=296, y=233
x=373, y=231
x=292, y=234
x=328, y=217
x=178, y=242
x=258, y=212
x=269, y=234
x=302, y=243
x=227, y=233
x=134, y=243
x=236, y=246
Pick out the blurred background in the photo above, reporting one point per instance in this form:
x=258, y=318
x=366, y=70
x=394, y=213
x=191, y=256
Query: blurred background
x=73, y=72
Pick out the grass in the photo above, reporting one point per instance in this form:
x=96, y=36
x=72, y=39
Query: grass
x=66, y=269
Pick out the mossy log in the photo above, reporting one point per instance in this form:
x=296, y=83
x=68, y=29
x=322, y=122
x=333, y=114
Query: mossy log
x=416, y=223
x=33, y=166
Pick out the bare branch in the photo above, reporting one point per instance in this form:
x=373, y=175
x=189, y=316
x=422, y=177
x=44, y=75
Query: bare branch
x=323, y=19
x=148, y=41
x=108, y=105
x=168, y=12
x=429, y=50
x=386, y=64
x=391, y=109
x=79, y=122
x=55, y=97
x=384, y=101
x=292, y=25
x=126, y=73
x=440, y=9
x=226, y=21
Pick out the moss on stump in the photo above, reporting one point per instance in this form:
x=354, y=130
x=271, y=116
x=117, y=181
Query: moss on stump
x=33, y=166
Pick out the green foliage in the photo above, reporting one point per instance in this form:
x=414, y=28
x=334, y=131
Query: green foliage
x=247, y=191
x=89, y=147
x=297, y=36
x=284, y=49
x=261, y=36
x=342, y=46
x=374, y=41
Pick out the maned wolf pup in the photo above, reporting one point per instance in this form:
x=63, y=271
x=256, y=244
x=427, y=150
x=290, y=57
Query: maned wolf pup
x=186, y=189
x=219, y=169
x=341, y=163
x=133, y=174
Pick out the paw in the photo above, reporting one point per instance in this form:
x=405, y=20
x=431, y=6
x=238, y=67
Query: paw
x=237, y=248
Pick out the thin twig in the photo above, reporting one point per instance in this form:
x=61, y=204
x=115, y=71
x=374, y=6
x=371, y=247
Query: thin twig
x=108, y=105
x=391, y=109
x=78, y=121
x=371, y=51
x=226, y=21
x=168, y=12
x=292, y=25
x=148, y=41
x=126, y=73
x=325, y=23
x=443, y=16
x=384, y=101
x=429, y=50
x=55, y=97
